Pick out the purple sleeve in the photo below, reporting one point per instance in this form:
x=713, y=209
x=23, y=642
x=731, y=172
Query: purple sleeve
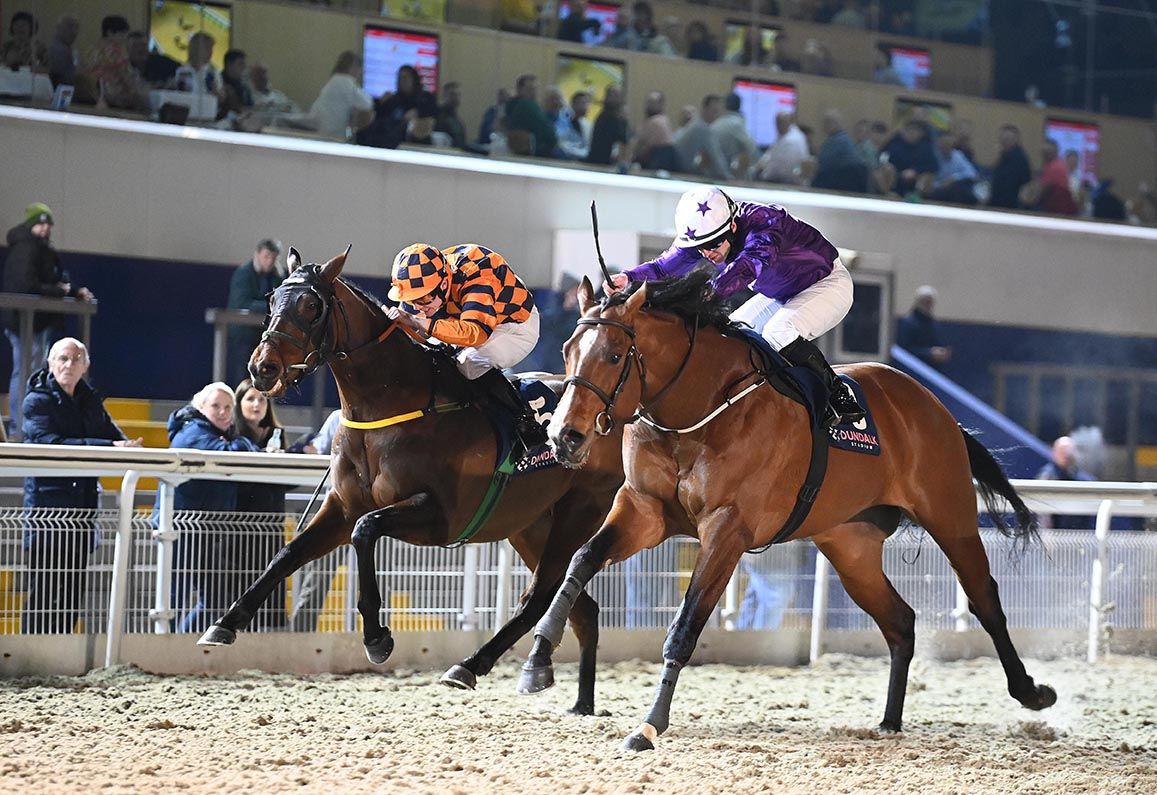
x=673, y=262
x=760, y=252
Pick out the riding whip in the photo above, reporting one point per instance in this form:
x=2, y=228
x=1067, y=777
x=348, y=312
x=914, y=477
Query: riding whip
x=598, y=248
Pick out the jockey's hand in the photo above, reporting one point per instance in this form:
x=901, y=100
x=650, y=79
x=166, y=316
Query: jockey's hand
x=401, y=316
x=616, y=283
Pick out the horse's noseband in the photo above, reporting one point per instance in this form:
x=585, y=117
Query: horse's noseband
x=318, y=345
x=604, y=420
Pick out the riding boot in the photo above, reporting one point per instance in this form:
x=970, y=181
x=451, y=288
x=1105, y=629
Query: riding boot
x=493, y=385
x=842, y=405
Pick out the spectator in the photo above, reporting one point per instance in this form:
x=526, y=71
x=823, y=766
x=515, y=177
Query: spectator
x=640, y=35
x=1064, y=466
x=238, y=95
x=152, y=68
x=556, y=110
x=1107, y=205
x=198, y=74
x=1011, y=171
x=575, y=129
x=577, y=26
x=62, y=55
x=869, y=139
x=33, y=266
x=734, y=140
x=782, y=160
x=851, y=15
x=21, y=50
x=655, y=148
x=956, y=178
x=1051, y=191
x=882, y=70
x=700, y=46
x=247, y=553
x=910, y=152
x=919, y=332
x=816, y=60
x=839, y=166
x=524, y=115
x=753, y=52
x=204, y=424
x=448, y=121
x=322, y=441
x=962, y=131
x=268, y=100
x=698, y=144
x=492, y=117
x=61, y=408
x=407, y=114
x=1080, y=189
x=341, y=103
x=611, y=133
x=248, y=288
x=111, y=79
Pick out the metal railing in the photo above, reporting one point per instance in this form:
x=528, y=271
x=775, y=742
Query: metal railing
x=26, y=306
x=161, y=571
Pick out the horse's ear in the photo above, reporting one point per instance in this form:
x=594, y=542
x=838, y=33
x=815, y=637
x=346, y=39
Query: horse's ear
x=586, y=295
x=332, y=269
x=637, y=299
x=293, y=259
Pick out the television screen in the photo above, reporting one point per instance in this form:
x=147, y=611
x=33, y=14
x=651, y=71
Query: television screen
x=171, y=22
x=415, y=10
x=913, y=64
x=576, y=72
x=761, y=102
x=938, y=114
x=733, y=35
x=1080, y=137
x=606, y=13
x=385, y=50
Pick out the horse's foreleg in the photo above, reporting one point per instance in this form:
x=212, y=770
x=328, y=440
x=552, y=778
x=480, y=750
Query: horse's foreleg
x=419, y=510
x=635, y=522
x=723, y=541
x=856, y=552
x=325, y=532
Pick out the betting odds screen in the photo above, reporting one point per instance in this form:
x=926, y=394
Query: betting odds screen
x=385, y=50
x=761, y=102
x=913, y=64
x=1080, y=137
x=171, y=22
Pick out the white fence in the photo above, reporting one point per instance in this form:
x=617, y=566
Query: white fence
x=152, y=570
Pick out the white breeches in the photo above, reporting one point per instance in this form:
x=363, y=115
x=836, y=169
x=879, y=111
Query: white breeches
x=813, y=312
x=508, y=345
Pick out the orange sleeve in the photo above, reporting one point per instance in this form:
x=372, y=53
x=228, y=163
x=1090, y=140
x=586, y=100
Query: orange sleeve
x=463, y=333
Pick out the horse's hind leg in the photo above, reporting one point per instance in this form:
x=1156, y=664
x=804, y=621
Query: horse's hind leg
x=960, y=540
x=419, y=511
x=324, y=533
x=855, y=551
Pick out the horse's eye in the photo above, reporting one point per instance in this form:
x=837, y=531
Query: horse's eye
x=616, y=358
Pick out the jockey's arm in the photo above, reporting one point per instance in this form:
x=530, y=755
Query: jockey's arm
x=673, y=262
x=461, y=333
x=759, y=253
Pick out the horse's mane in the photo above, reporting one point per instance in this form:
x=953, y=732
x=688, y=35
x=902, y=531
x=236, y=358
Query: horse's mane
x=690, y=297
x=375, y=303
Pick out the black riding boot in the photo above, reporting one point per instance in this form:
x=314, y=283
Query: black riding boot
x=493, y=385
x=842, y=405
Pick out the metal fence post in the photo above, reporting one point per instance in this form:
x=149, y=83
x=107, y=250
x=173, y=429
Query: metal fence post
x=960, y=612
x=470, y=588
x=505, y=584
x=819, y=607
x=120, y=568
x=1097, y=582
x=731, y=600
x=165, y=536
x=351, y=591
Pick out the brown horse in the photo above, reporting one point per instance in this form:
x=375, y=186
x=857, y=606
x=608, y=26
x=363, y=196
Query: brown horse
x=733, y=482
x=419, y=481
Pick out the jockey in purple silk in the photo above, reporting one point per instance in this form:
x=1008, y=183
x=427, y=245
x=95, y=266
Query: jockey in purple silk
x=802, y=289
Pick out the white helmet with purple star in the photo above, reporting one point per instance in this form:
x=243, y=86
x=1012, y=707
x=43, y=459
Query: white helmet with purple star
x=702, y=215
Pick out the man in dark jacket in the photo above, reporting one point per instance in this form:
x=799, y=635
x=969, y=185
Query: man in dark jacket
x=33, y=267
x=61, y=408
x=251, y=283
x=919, y=333
x=1011, y=171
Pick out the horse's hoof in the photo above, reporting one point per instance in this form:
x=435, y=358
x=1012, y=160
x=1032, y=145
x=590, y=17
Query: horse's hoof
x=459, y=677
x=888, y=727
x=217, y=636
x=1043, y=698
x=582, y=708
x=379, y=651
x=637, y=742
x=535, y=678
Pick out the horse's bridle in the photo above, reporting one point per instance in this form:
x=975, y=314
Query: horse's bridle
x=604, y=420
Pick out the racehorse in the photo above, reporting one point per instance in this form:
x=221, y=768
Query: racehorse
x=422, y=480
x=657, y=355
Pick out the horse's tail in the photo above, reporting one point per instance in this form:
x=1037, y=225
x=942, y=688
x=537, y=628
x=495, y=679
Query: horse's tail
x=992, y=483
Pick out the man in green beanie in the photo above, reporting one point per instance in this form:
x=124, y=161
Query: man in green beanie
x=33, y=266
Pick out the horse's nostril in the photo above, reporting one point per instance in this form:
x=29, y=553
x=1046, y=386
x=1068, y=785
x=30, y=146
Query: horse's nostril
x=267, y=369
x=572, y=438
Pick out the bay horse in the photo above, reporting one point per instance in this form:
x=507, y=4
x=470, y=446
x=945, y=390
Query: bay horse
x=417, y=481
x=657, y=354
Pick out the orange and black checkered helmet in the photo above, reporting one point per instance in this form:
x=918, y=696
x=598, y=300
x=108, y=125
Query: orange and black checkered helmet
x=418, y=269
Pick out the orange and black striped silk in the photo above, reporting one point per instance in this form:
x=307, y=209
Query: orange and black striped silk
x=484, y=292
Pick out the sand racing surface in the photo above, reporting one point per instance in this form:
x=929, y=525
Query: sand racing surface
x=734, y=730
